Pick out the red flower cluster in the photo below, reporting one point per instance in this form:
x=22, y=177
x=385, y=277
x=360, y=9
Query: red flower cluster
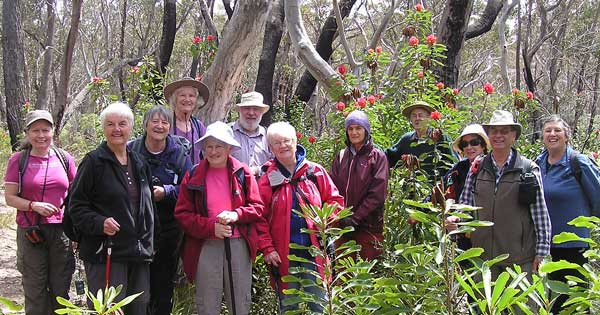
x=455, y=91
x=199, y=77
x=488, y=88
x=431, y=39
x=340, y=106
x=529, y=95
x=420, y=75
x=312, y=139
x=298, y=135
x=370, y=51
x=342, y=70
x=595, y=155
x=135, y=69
x=27, y=105
x=371, y=99
x=515, y=91
x=197, y=40
x=419, y=7
x=440, y=85
x=435, y=115
x=378, y=49
x=210, y=38
x=96, y=80
x=362, y=102
x=413, y=41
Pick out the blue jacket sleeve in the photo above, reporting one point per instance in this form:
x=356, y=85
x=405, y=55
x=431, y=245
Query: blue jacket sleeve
x=590, y=182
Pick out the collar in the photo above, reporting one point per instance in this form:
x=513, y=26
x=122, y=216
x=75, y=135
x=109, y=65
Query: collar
x=260, y=132
x=415, y=137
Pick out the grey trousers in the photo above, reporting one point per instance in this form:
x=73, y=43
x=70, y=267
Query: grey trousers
x=46, y=269
x=135, y=278
x=212, y=278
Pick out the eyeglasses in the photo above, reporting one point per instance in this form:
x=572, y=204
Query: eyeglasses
x=472, y=142
x=283, y=142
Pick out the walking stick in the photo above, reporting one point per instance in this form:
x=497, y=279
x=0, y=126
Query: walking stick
x=231, y=286
x=276, y=276
x=109, y=245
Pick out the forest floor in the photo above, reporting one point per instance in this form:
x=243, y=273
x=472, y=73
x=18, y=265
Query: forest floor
x=10, y=278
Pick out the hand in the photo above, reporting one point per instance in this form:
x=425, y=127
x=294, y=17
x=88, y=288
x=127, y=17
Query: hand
x=222, y=230
x=272, y=259
x=347, y=221
x=43, y=208
x=450, y=223
x=228, y=217
x=111, y=227
x=159, y=193
x=436, y=134
x=536, y=263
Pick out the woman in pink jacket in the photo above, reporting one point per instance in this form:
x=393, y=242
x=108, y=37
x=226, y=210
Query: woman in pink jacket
x=219, y=203
x=288, y=182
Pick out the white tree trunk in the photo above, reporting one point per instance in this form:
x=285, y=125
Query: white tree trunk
x=241, y=36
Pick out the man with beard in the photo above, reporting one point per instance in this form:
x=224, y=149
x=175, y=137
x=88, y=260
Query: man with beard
x=252, y=137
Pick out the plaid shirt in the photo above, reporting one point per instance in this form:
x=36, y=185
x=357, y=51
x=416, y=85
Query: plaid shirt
x=538, y=210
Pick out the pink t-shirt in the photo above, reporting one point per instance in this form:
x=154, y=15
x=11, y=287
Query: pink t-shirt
x=218, y=193
x=56, y=181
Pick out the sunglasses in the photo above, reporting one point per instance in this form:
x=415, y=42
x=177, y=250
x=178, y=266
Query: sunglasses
x=472, y=142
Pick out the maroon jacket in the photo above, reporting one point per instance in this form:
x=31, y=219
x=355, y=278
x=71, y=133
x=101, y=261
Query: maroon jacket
x=362, y=179
x=192, y=214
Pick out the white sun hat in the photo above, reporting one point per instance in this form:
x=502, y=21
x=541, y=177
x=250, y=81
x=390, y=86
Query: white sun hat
x=222, y=132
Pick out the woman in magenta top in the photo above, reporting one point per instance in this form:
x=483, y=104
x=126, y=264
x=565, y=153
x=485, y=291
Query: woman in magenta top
x=219, y=200
x=37, y=180
x=184, y=97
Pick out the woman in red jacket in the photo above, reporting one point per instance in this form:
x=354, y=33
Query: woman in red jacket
x=219, y=203
x=290, y=181
x=361, y=173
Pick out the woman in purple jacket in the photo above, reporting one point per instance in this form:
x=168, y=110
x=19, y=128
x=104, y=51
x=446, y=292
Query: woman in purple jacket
x=361, y=171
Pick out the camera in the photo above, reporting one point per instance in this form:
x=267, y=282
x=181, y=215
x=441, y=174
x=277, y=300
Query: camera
x=34, y=235
x=156, y=181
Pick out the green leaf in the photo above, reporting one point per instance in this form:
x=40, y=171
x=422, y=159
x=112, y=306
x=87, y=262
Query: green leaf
x=11, y=305
x=569, y=236
x=65, y=302
x=470, y=253
x=499, y=286
x=123, y=302
x=560, y=265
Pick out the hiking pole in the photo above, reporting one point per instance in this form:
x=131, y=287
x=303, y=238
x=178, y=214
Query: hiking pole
x=276, y=276
x=109, y=245
x=228, y=256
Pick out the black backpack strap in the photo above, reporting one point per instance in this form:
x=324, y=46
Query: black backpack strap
x=241, y=177
x=23, y=160
x=196, y=125
x=575, y=167
x=62, y=157
x=136, y=145
x=184, y=151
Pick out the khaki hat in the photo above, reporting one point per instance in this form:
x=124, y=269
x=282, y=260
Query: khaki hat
x=222, y=132
x=474, y=129
x=187, y=81
x=417, y=104
x=253, y=99
x=36, y=115
x=503, y=118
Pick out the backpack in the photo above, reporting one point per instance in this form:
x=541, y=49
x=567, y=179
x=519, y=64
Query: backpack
x=239, y=174
x=575, y=167
x=186, y=149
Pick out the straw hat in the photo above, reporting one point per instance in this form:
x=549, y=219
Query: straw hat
x=503, y=118
x=187, y=81
x=253, y=99
x=474, y=129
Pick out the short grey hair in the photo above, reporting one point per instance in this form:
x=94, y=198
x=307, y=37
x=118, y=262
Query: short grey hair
x=173, y=98
x=281, y=128
x=117, y=108
x=556, y=119
x=159, y=110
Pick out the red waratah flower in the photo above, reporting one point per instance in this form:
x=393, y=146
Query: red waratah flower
x=420, y=74
x=298, y=135
x=197, y=40
x=380, y=96
x=455, y=91
x=340, y=106
x=378, y=49
x=595, y=155
x=413, y=41
x=362, y=102
x=135, y=69
x=96, y=80
x=338, y=83
x=419, y=7
x=436, y=115
x=27, y=104
x=342, y=69
x=312, y=139
x=371, y=99
x=488, y=88
x=431, y=39
x=199, y=77
x=440, y=85
x=403, y=157
x=370, y=51
x=515, y=91
x=210, y=38
x=529, y=95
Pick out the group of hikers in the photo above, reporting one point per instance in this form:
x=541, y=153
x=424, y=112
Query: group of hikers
x=217, y=196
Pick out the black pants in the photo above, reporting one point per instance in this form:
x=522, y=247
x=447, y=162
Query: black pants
x=162, y=272
x=573, y=255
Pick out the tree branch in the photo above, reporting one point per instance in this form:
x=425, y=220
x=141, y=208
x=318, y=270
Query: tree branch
x=342, y=35
x=486, y=21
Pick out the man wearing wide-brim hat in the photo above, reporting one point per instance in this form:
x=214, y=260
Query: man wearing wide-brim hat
x=417, y=145
x=247, y=130
x=509, y=189
x=184, y=96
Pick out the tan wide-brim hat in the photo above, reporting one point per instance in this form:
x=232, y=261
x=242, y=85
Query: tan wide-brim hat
x=503, y=118
x=474, y=129
x=222, y=132
x=201, y=87
x=417, y=104
x=253, y=99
